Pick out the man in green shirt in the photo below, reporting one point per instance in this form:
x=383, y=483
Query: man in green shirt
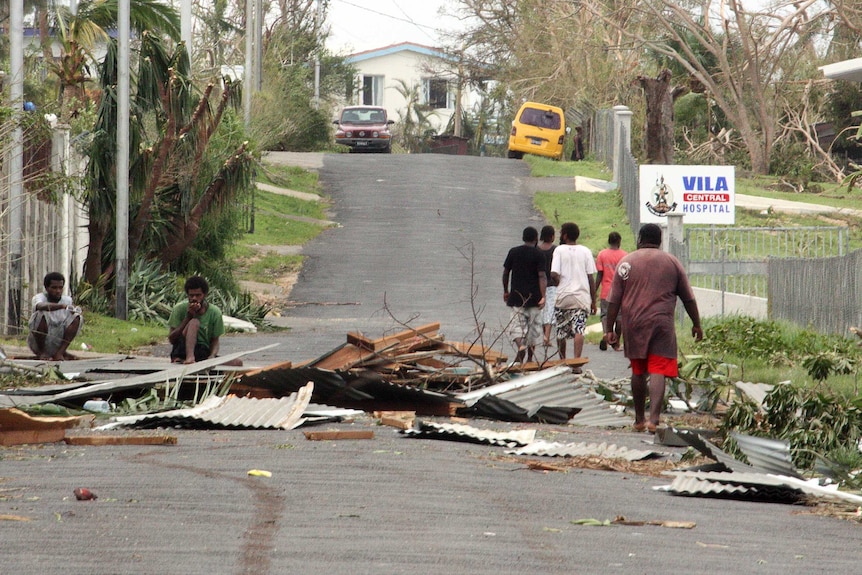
x=195, y=325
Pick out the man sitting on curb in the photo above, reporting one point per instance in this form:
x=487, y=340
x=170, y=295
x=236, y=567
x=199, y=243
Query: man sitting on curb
x=196, y=326
x=55, y=320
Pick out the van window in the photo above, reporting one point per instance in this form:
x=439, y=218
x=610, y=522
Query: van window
x=540, y=118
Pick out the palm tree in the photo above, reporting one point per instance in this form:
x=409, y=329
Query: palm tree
x=415, y=122
x=80, y=33
x=176, y=179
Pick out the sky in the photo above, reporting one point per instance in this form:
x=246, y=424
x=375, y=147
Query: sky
x=358, y=25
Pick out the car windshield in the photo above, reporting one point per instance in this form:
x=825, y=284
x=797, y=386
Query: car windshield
x=540, y=118
x=363, y=116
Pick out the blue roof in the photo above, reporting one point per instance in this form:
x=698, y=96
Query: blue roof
x=394, y=49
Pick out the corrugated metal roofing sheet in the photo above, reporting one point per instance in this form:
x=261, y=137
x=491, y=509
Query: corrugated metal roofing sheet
x=230, y=412
x=550, y=395
x=756, y=392
x=458, y=432
x=768, y=455
x=472, y=397
x=694, y=487
x=570, y=391
x=584, y=450
x=711, y=451
x=759, y=485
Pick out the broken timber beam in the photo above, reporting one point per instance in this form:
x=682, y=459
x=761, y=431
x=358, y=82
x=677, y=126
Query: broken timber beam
x=30, y=436
x=333, y=435
x=474, y=350
x=359, y=340
x=533, y=366
x=122, y=440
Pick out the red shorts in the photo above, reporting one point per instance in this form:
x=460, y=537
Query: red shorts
x=666, y=366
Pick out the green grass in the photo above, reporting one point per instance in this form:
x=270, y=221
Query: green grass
x=279, y=204
x=271, y=228
x=596, y=215
x=269, y=266
x=545, y=167
x=290, y=177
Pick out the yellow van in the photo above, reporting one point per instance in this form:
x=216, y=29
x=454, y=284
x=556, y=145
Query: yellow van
x=538, y=129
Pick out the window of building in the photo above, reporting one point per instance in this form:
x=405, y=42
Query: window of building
x=437, y=94
x=372, y=91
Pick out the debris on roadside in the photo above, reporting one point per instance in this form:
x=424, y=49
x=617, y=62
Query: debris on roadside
x=18, y=427
x=338, y=434
x=84, y=494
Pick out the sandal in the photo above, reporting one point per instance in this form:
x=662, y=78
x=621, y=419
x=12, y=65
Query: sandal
x=651, y=427
x=639, y=427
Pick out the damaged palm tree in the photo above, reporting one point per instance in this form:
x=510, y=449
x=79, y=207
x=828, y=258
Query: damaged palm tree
x=178, y=176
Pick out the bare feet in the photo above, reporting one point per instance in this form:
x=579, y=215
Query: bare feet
x=189, y=360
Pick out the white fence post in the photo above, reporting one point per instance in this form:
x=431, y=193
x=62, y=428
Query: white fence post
x=622, y=119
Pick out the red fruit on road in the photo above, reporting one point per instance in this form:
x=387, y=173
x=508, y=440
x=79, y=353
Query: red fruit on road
x=84, y=494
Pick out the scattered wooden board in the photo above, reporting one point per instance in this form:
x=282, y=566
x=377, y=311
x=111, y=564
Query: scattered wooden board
x=28, y=436
x=333, y=435
x=475, y=350
x=397, y=419
x=122, y=440
x=13, y=419
x=533, y=366
x=359, y=340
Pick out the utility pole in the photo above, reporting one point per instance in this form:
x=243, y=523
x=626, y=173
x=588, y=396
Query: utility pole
x=122, y=230
x=186, y=26
x=248, y=72
x=16, y=166
x=317, y=26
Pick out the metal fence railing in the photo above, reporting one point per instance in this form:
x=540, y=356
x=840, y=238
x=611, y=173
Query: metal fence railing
x=735, y=260
x=805, y=272
x=823, y=293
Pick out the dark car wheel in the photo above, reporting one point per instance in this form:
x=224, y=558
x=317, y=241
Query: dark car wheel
x=515, y=155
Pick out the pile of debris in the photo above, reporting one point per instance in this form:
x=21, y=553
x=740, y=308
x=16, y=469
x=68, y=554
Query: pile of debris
x=414, y=371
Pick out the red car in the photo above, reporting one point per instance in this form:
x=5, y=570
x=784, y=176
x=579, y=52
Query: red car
x=364, y=128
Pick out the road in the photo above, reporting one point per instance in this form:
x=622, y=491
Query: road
x=392, y=504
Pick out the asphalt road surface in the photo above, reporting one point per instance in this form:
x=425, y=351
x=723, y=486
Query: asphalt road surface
x=391, y=504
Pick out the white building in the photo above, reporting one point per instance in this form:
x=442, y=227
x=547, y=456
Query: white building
x=431, y=71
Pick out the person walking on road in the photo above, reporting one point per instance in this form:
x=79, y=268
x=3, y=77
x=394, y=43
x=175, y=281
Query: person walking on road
x=572, y=268
x=546, y=245
x=645, y=287
x=525, y=266
x=606, y=264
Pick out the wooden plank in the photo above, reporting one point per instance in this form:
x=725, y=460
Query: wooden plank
x=334, y=435
x=360, y=340
x=397, y=419
x=533, y=366
x=279, y=365
x=475, y=350
x=122, y=440
x=344, y=358
x=13, y=419
x=27, y=436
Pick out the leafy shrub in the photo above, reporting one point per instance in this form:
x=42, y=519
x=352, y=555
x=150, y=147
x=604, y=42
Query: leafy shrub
x=814, y=422
x=241, y=306
x=152, y=292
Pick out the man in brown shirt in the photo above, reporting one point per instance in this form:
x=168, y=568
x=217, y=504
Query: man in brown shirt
x=645, y=287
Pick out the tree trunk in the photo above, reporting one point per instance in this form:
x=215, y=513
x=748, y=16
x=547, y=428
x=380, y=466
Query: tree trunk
x=659, y=118
x=93, y=263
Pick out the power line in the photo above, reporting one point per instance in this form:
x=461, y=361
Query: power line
x=390, y=16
